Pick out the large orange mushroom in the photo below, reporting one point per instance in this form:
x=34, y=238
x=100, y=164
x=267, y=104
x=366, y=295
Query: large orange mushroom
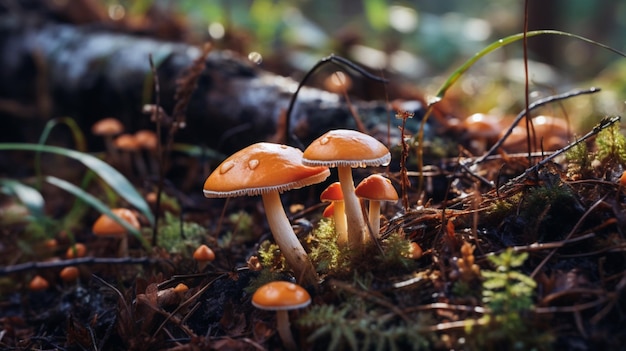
x=347, y=149
x=268, y=169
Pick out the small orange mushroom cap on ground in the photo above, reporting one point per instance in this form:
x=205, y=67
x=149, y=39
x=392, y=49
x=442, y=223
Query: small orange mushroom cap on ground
x=106, y=226
x=38, y=283
x=203, y=255
x=76, y=250
x=69, y=274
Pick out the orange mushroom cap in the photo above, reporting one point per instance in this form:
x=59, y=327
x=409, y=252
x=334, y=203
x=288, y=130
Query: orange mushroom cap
x=69, y=274
x=76, y=250
x=107, y=126
x=343, y=147
x=281, y=295
x=332, y=193
x=106, y=226
x=204, y=254
x=329, y=211
x=146, y=139
x=38, y=283
x=261, y=168
x=377, y=188
x=482, y=125
x=127, y=142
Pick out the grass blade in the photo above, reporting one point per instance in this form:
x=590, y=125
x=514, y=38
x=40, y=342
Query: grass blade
x=97, y=204
x=109, y=174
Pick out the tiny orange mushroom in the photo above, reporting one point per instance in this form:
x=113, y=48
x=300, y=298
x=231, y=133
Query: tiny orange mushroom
x=38, y=283
x=106, y=226
x=376, y=189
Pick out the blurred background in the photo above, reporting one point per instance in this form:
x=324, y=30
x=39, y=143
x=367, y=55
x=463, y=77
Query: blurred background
x=416, y=38
x=418, y=42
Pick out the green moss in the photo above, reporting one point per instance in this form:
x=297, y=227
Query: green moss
x=180, y=237
x=611, y=145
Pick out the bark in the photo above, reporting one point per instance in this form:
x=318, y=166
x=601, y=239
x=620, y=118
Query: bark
x=89, y=73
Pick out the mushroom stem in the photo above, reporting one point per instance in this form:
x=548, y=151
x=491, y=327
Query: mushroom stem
x=374, y=217
x=341, y=224
x=357, y=229
x=284, y=330
x=287, y=240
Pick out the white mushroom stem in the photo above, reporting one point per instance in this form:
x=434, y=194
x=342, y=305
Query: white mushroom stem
x=287, y=240
x=284, y=330
x=374, y=217
x=341, y=224
x=357, y=228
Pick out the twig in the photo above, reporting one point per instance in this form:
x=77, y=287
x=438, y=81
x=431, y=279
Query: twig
x=74, y=262
x=604, y=123
x=337, y=60
x=531, y=107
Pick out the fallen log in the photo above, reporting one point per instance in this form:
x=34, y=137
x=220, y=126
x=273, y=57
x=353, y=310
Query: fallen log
x=87, y=73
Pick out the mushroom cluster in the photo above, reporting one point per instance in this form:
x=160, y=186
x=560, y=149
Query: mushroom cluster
x=268, y=169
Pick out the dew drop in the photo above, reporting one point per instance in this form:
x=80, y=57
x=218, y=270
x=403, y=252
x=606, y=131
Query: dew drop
x=255, y=57
x=324, y=140
x=226, y=166
x=254, y=163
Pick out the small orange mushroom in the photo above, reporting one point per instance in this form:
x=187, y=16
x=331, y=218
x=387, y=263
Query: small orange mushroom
x=75, y=251
x=281, y=296
x=105, y=226
x=203, y=255
x=69, y=274
x=376, y=189
x=38, y=283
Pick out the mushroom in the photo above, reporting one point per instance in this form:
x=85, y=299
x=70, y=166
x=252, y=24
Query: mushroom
x=108, y=128
x=129, y=147
x=38, y=283
x=376, y=189
x=203, y=255
x=105, y=226
x=550, y=132
x=483, y=129
x=346, y=149
x=281, y=296
x=75, y=251
x=334, y=195
x=69, y=274
x=268, y=169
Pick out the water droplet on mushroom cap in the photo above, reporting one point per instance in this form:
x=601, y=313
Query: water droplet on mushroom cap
x=226, y=166
x=324, y=140
x=253, y=163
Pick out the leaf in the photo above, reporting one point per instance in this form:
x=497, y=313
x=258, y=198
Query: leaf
x=109, y=174
x=28, y=196
x=97, y=204
x=377, y=13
